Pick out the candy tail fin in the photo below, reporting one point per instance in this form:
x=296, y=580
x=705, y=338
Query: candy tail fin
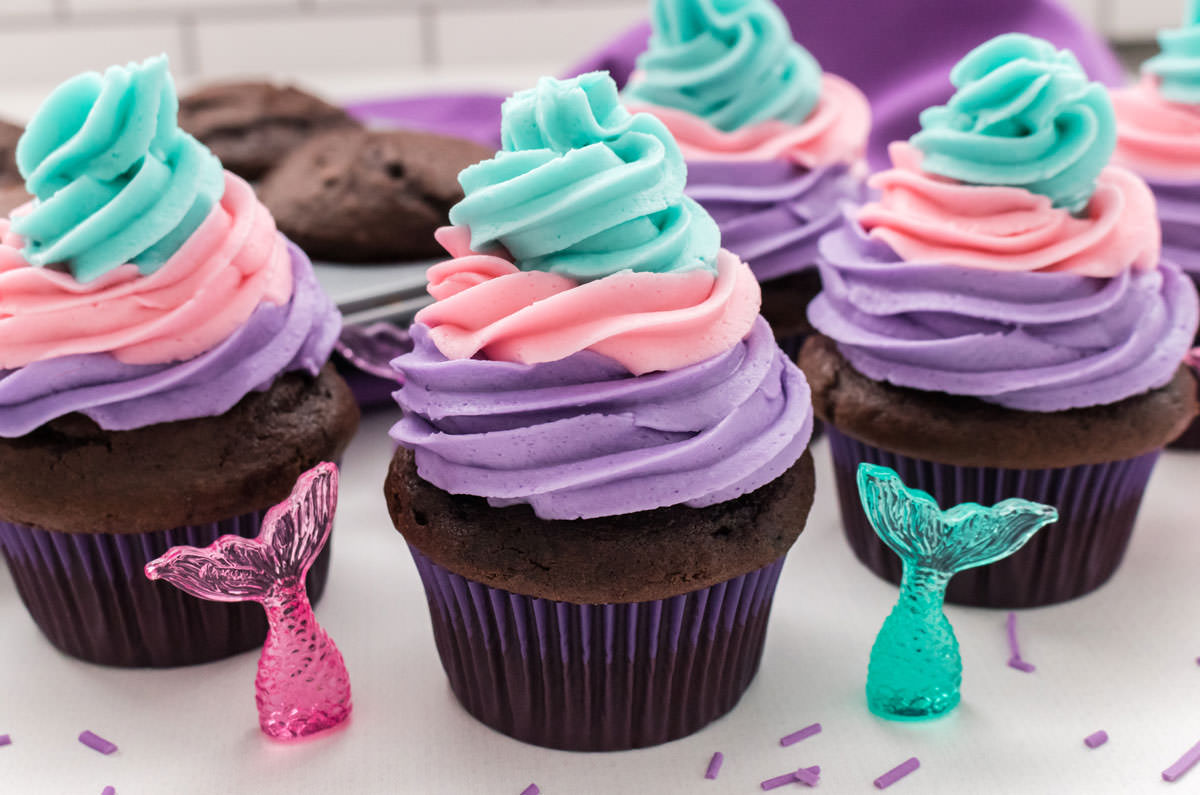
x=235, y=569
x=232, y=569
x=968, y=535
x=296, y=529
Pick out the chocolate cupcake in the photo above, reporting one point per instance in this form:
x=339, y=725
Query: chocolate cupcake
x=369, y=195
x=603, y=456
x=1001, y=324
x=774, y=147
x=252, y=126
x=1158, y=137
x=163, y=376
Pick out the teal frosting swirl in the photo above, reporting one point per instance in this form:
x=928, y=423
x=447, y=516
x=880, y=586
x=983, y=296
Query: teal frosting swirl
x=115, y=179
x=1024, y=115
x=733, y=63
x=1177, y=67
x=584, y=188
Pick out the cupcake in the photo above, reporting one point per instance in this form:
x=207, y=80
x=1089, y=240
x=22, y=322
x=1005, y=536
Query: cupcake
x=773, y=146
x=163, y=375
x=603, y=457
x=1158, y=137
x=251, y=125
x=1000, y=323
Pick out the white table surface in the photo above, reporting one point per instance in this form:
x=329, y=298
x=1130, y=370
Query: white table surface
x=1122, y=659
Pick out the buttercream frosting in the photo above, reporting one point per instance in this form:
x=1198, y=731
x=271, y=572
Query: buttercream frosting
x=580, y=437
x=605, y=389
x=1024, y=115
x=1029, y=340
x=732, y=63
x=115, y=178
x=585, y=189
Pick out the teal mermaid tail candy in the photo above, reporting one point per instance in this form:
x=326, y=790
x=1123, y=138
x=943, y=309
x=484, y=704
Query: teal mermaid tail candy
x=915, y=669
x=302, y=685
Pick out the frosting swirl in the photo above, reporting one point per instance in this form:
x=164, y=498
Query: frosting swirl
x=732, y=63
x=1024, y=115
x=1030, y=341
x=1157, y=138
x=584, y=188
x=581, y=438
x=1177, y=66
x=835, y=132
x=115, y=178
x=772, y=213
x=927, y=219
x=644, y=321
x=234, y=261
x=297, y=335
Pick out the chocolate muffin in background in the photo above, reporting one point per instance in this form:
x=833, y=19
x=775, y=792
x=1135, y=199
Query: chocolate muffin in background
x=252, y=126
x=10, y=133
x=369, y=195
x=12, y=187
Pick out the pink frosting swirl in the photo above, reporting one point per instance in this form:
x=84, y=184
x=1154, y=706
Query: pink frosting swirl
x=835, y=132
x=235, y=260
x=645, y=321
x=925, y=218
x=1157, y=138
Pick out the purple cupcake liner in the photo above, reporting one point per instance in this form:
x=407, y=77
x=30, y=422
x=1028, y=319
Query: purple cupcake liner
x=1097, y=506
x=598, y=677
x=90, y=597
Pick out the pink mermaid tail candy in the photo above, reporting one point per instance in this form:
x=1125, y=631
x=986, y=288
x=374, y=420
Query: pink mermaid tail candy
x=302, y=685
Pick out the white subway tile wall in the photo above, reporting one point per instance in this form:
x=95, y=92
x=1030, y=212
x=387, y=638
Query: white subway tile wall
x=353, y=48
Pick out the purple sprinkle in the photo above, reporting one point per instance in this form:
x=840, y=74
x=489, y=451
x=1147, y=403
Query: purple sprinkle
x=791, y=778
x=1014, y=659
x=714, y=765
x=1096, y=739
x=532, y=789
x=97, y=743
x=898, y=772
x=109, y=790
x=1183, y=765
x=803, y=734
x=5, y=739
x=807, y=777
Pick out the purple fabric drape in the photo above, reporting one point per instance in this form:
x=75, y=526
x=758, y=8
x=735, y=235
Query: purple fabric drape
x=899, y=52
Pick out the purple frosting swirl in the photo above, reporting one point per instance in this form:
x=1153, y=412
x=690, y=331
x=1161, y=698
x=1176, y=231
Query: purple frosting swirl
x=275, y=339
x=1179, y=212
x=581, y=437
x=1029, y=341
x=772, y=213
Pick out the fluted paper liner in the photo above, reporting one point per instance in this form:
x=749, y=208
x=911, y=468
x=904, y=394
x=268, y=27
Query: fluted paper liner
x=598, y=677
x=89, y=595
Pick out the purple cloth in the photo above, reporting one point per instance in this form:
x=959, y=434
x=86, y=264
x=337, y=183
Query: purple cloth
x=772, y=213
x=581, y=437
x=1028, y=341
x=898, y=53
x=298, y=336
